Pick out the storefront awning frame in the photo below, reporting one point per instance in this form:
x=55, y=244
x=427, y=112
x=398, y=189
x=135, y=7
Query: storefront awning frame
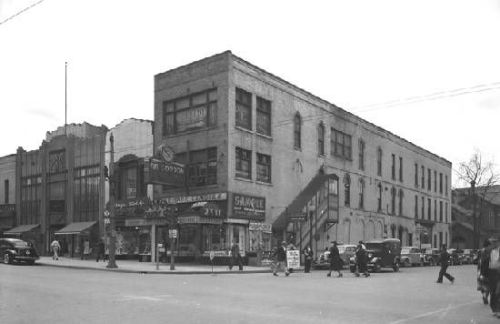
x=75, y=228
x=18, y=230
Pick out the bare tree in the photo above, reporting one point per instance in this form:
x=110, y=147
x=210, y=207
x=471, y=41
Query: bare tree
x=481, y=176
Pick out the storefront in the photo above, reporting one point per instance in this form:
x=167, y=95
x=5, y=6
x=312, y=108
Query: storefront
x=79, y=237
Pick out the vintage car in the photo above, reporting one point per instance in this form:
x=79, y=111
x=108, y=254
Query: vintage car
x=455, y=256
x=346, y=252
x=411, y=256
x=431, y=257
x=17, y=250
x=467, y=256
x=381, y=254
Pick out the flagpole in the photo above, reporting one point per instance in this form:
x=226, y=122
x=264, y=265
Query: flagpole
x=65, y=96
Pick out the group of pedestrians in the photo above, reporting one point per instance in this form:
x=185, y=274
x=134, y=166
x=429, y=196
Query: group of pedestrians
x=488, y=270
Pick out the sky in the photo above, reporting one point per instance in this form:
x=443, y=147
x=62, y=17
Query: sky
x=426, y=70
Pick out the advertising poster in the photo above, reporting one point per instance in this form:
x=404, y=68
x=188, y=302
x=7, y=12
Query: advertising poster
x=293, y=259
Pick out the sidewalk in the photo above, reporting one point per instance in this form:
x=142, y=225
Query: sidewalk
x=134, y=266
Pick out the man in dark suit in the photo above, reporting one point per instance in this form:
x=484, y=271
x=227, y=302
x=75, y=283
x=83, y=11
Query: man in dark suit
x=444, y=259
x=236, y=257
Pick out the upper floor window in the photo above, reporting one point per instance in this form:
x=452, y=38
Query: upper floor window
x=297, y=132
x=321, y=139
x=440, y=183
x=341, y=143
x=441, y=211
x=263, y=116
x=192, y=112
x=423, y=177
x=243, y=163
x=416, y=206
x=243, y=109
x=201, y=167
x=429, y=208
x=393, y=201
x=393, y=167
x=361, y=193
x=263, y=168
x=347, y=190
x=429, y=179
x=361, y=161
x=435, y=181
x=435, y=210
x=57, y=161
x=423, y=208
x=400, y=169
x=416, y=175
x=379, y=198
x=446, y=185
x=379, y=161
x=6, y=192
x=401, y=199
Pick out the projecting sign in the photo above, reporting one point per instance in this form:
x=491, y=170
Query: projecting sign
x=249, y=207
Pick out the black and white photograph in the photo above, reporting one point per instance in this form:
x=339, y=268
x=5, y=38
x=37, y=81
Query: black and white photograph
x=249, y=161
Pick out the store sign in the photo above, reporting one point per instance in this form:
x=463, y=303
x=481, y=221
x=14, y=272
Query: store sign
x=198, y=220
x=195, y=198
x=163, y=172
x=132, y=222
x=259, y=227
x=293, y=259
x=249, y=207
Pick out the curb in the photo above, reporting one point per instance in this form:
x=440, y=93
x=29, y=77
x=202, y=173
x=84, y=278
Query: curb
x=166, y=272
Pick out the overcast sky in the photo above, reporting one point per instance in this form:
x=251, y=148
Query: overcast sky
x=428, y=71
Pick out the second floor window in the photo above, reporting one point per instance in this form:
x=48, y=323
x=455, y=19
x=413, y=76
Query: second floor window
x=416, y=206
x=379, y=161
x=441, y=211
x=341, y=143
x=416, y=175
x=429, y=208
x=6, y=192
x=243, y=163
x=423, y=177
x=393, y=201
x=393, y=167
x=347, y=190
x=321, y=139
x=264, y=168
x=201, y=168
x=401, y=169
x=429, y=179
x=440, y=183
x=379, y=198
x=361, y=157
x=243, y=109
x=423, y=208
x=435, y=181
x=263, y=116
x=401, y=197
x=297, y=132
x=361, y=193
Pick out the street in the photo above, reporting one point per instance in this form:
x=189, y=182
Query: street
x=41, y=294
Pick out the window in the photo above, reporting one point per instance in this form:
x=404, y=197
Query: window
x=263, y=168
x=321, y=139
x=263, y=116
x=393, y=167
x=393, y=201
x=429, y=175
x=400, y=169
x=401, y=196
x=435, y=210
x=297, y=132
x=416, y=206
x=416, y=175
x=341, y=144
x=440, y=183
x=192, y=112
x=440, y=238
x=379, y=161
x=435, y=181
x=361, y=193
x=446, y=212
x=429, y=208
x=243, y=109
x=243, y=163
x=6, y=192
x=446, y=185
x=361, y=161
x=423, y=208
x=201, y=167
x=423, y=177
x=441, y=211
x=347, y=190
x=379, y=187
x=86, y=188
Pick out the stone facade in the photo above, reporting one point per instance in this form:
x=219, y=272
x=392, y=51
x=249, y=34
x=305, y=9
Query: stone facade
x=238, y=138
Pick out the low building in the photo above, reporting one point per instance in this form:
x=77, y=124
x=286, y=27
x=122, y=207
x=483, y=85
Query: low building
x=7, y=192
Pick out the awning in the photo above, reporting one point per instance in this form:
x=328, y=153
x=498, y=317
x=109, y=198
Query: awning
x=21, y=229
x=295, y=208
x=75, y=228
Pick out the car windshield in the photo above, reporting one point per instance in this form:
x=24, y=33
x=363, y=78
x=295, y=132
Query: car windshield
x=342, y=249
x=374, y=246
x=405, y=250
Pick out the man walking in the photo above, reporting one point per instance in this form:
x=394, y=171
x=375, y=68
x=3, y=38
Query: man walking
x=361, y=260
x=56, y=247
x=100, y=251
x=444, y=258
x=335, y=260
x=308, y=257
x=235, y=257
x=280, y=257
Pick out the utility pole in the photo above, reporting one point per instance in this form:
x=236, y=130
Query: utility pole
x=474, y=218
x=112, y=189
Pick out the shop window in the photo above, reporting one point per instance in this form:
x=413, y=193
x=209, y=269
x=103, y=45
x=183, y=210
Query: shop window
x=263, y=116
x=263, y=168
x=192, y=112
x=243, y=163
x=243, y=109
x=342, y=144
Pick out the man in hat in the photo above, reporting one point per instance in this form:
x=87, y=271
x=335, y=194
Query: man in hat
x=361, y=260
x=444, y=259
x=280, y=259
x=335, y=260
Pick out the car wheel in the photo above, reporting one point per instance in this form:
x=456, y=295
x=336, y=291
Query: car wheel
x=6, y=258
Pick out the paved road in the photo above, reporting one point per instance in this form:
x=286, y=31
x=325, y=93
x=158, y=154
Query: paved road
x=41, y=294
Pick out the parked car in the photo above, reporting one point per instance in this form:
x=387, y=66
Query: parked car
x=455, y=256
x=381, y=254
x=17, y=250
x=475, y=256
x=411, y=256
x=323, y=261
x=431, y=257
x=467, y=256
x=346, y=252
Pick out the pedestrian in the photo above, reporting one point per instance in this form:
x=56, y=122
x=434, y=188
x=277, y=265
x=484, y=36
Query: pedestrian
x=491, y=262
x=100, y=251
x=361, y=260
x=335, y=260
x=235, y=257
x=483, y=273
x=280, y=260
x=444, y=259
x=308, y=257
x=56, y=247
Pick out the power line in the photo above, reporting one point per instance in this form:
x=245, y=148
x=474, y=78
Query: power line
x=20, y=12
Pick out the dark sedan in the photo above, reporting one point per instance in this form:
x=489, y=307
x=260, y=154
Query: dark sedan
x=12, y=249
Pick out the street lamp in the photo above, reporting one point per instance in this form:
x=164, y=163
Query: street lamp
x=112, y=189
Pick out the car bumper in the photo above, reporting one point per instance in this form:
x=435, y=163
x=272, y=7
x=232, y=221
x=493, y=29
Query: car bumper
x=25, y=258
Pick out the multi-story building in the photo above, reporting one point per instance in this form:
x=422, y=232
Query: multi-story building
x=59, y=188
x=487, y=215
x=7, y=192
x=266, y=159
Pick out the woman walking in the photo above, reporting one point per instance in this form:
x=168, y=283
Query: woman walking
x=335, y=260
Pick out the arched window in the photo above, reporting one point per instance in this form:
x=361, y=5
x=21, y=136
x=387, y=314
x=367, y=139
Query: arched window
x=401, y=196
x=347, y=190
x=297, y=131
x=361, y=193
x=321, y=139
x=393, y=200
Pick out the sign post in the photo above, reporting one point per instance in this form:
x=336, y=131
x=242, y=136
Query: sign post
x=212, y=256
x=172, y=234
